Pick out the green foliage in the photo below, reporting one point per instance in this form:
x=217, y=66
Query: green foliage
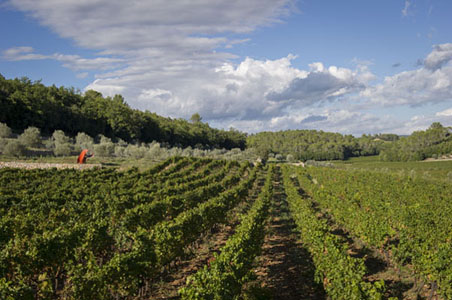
x=62, y=149
x=14, y=148
x=313, y=145
x=62, y=145
x=195, y=118
x=25, y=103
x=403, y=217
x=436, y=140
x=83, y=141
x=5, y=131
x=341, y=275
x=224, y=278
x=104, y=149
x=97, y=235
x=31, y=137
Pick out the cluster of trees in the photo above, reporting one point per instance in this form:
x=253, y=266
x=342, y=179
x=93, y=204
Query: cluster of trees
x=433, y=142
x=31, y=143
x=315, y=145
x=25, y=103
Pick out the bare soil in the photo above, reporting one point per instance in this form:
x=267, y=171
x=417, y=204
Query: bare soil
x=285, y=269
x=30, y=166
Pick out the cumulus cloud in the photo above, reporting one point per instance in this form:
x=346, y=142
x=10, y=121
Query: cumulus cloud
x=440, y=56
x=429, y=84
x=173, y=59
x=322, y=84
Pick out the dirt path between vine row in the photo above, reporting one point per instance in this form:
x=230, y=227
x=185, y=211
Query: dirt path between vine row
x=285, y=268
x=201, y=253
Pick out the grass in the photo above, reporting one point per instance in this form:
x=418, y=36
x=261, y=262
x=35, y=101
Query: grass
x=434, y=170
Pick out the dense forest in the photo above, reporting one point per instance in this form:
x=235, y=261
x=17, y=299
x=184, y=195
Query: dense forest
x=319, y=145
x=433, y=142
x=316, y=145
x=25, y=103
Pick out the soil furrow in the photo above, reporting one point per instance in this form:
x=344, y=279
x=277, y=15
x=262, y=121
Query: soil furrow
x=285, y=268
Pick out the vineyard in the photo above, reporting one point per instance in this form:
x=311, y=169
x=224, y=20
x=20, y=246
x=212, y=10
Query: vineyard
x=191, y=228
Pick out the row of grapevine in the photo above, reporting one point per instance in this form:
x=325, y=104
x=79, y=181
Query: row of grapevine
x=57, y=244
x=407, y=219
x=170, y=204
x=342, y=275
x=224, y=278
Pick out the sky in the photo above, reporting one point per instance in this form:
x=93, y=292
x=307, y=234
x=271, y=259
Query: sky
x=354, y=67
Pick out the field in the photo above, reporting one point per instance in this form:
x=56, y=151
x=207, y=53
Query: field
x=430, y=170
x=189, y=228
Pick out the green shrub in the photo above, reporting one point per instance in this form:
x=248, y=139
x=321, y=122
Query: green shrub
x=5, y=131
x=14, y=148
x=31, y=137
x=104, y=150
x=83, y=141
x=62, y=149
x=3, y=143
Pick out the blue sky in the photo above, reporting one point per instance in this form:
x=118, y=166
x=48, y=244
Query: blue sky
x=346, y=66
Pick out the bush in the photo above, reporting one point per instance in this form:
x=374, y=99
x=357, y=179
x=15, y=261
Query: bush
x=64, y=149
x=14, y=148
x=290, y=158
x=5, y=131
x=59, y=137
x=61, y=144
x=103, y=139
x=104, y=150
x=31, y=137
x=3, y=143
x=83, y=141
x=135, y=151
x=120, y=151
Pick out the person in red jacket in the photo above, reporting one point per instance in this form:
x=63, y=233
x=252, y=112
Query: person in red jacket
x=83, y=156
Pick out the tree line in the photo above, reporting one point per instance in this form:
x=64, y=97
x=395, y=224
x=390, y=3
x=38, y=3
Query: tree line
x=25, y=103
x=433, y=142
x=315, y=145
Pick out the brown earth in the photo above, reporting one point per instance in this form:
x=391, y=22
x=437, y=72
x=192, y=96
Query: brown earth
x=285, y=269
x=30, y=166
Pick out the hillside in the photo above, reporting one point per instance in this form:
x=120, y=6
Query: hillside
x=25, y=103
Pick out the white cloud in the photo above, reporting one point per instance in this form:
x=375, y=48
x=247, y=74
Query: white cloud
x=445, y=113
x=440, y=56
x=126, y=25
x=322, y=84
x=173, y=59
x=73, y=62
x=431, y=83
x=21, y=53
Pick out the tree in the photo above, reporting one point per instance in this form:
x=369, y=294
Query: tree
x=84, y=141
x=14, y=148
x=62, y=143
x=195, y=118
x=31, y=137
x=5, y=131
